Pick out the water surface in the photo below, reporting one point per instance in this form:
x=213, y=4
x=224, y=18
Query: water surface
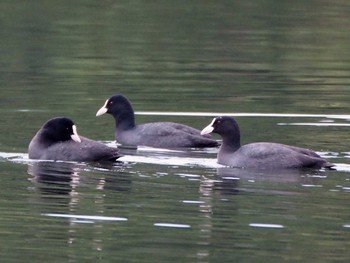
x=281, y=69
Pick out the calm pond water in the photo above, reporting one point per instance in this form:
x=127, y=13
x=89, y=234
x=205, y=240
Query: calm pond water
x=282, y=68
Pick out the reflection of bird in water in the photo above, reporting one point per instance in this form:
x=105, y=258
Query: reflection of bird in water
x=53, y=177
x=233, y=180
x=62, y=178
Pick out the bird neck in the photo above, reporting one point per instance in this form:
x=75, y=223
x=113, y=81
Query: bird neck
x=231, y=142
x=125, y=119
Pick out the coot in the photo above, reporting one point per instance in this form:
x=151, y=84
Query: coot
x=157, y=134
x=261, y=155
x=58, y=139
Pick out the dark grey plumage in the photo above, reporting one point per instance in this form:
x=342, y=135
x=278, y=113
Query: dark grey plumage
x=57, y=139
x=261, y=155
x=157, y=134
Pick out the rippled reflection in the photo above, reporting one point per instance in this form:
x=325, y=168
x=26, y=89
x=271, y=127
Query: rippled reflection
x=281, y=67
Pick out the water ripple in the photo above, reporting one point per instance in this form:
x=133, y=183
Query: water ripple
x=172, y=225
x=245, y=114
x=266, y=225
x=88, y=217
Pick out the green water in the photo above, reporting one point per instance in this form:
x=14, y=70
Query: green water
x=68, y=57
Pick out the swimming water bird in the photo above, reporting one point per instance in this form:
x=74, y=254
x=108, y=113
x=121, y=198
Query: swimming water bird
x=260, y=155
x=156, y=134
x=58, y=139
